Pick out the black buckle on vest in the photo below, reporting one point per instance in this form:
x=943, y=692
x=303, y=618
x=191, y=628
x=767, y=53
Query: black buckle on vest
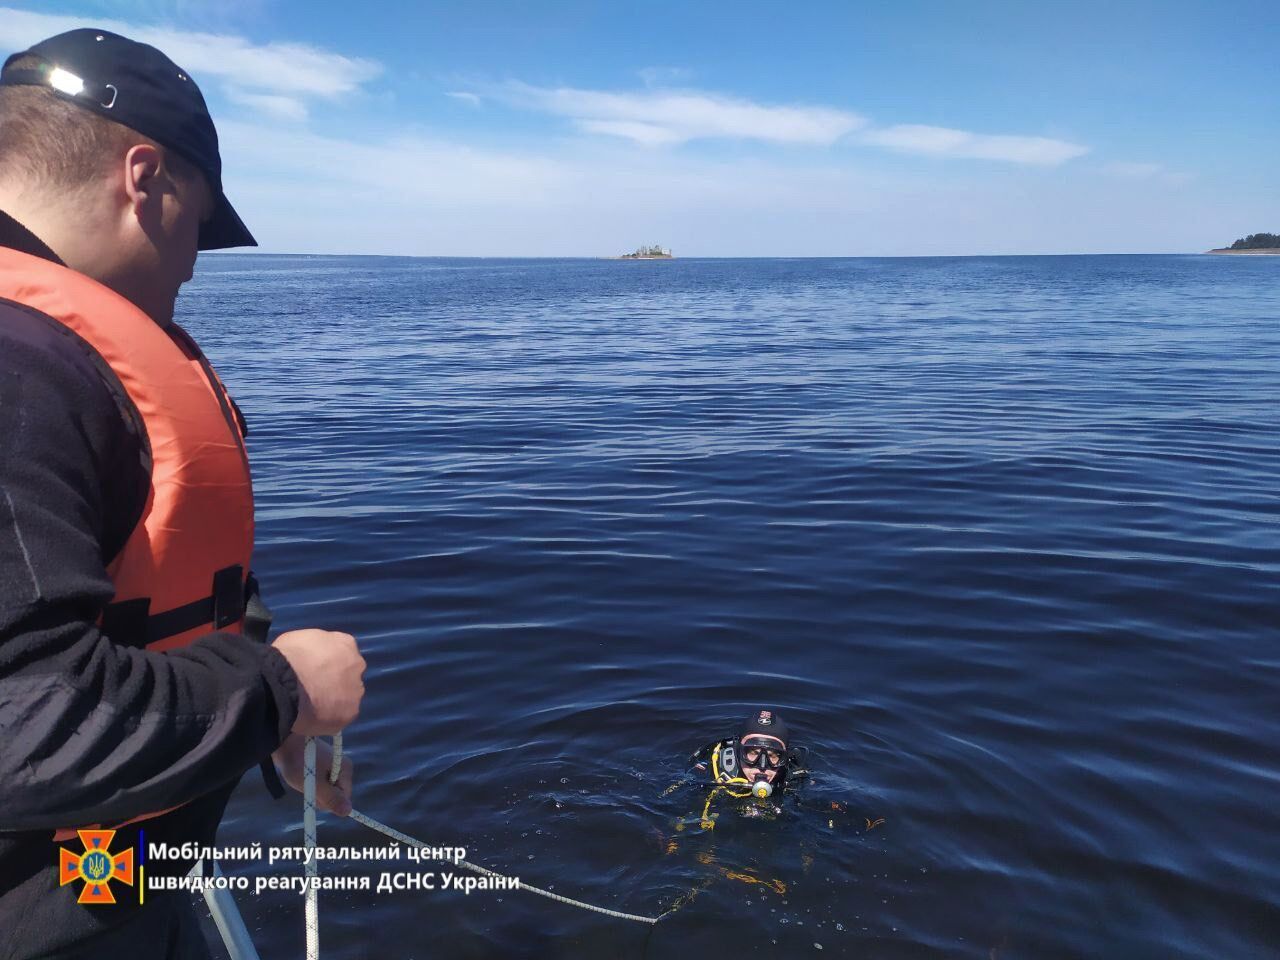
x=228, y=596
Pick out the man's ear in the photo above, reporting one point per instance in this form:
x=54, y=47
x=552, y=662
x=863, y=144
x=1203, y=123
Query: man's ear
x=142, y=166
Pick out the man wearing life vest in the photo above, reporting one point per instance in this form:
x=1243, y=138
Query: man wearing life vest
x=132, y=696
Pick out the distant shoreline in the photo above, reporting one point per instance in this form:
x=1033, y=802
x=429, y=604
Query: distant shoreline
x=1255, y=252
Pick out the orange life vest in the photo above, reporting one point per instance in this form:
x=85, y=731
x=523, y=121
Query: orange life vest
x=182, y=572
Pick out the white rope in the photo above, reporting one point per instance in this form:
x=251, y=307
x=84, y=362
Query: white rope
x=309, y=839
x=395, y=834
x=312, y=906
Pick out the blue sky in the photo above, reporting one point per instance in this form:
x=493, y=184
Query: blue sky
x=727, y=129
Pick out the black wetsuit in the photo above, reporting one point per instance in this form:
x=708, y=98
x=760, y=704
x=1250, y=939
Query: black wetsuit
x=95, y=729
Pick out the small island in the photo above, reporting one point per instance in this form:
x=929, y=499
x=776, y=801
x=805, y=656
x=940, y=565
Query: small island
x=1255, y=243
x=653, y=252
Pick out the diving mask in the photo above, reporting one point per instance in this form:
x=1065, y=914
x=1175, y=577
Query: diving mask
x=762, y=757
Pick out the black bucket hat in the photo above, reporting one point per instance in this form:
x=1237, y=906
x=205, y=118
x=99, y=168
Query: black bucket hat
x=138, y=86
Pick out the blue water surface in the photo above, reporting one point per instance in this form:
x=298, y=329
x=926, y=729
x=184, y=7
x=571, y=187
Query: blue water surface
x=999, y=536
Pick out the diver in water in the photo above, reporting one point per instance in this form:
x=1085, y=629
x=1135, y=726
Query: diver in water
x=759, y=762
x=751, y=775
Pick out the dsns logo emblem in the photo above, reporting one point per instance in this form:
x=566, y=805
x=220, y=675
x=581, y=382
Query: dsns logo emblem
x=97, y=866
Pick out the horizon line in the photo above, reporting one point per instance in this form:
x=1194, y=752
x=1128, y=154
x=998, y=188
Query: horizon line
x=833, y=256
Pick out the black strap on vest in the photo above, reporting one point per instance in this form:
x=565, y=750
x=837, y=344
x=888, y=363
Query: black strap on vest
x=257, y=627
x=271, y=779
x=132, y=622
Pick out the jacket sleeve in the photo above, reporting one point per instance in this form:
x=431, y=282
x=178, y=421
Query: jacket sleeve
x=93, y=728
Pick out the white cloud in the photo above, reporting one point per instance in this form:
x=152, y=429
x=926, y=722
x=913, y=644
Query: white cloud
x=273, y=104
x=658, y=117
x=465, y=96
x=1136, y=171
x=675, y=116
x=945, y=142
x=649, y=134
x=406, y=170
x=1147, y=172
x=283, y=69
x=664, y=76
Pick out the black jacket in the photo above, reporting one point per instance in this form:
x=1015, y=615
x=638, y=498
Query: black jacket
x=93, y=728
